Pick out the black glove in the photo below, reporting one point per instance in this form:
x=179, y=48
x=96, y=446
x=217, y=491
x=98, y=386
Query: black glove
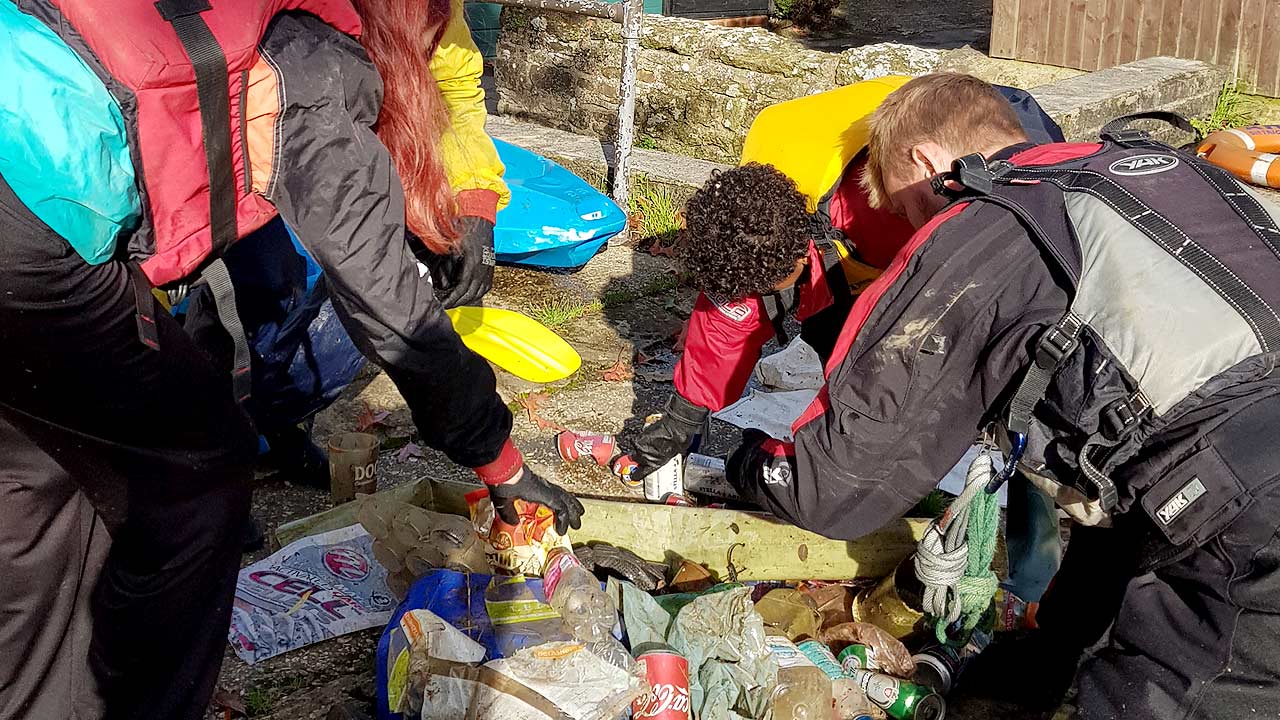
x=669, y=436
x=760, y=460
x=532, y=488
x=463, y=277
x=606, y=559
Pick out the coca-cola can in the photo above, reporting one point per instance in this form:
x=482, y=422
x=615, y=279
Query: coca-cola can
x=575, y=446
x=668, y=696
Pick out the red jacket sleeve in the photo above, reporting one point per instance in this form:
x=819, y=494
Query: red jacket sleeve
x=721, y=347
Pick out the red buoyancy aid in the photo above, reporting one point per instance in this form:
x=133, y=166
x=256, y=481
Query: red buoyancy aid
x=144, y=57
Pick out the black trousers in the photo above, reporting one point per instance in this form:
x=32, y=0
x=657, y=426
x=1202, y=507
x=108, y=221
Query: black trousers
x=1195, y=626
x=155, y=443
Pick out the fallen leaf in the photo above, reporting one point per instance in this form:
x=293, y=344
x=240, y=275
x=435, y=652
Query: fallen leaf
x=229, y=702
x=409, y=450
x=618, y=372
x=530, y=404
x=657, y=249
x=642, y=358
x=368, y=419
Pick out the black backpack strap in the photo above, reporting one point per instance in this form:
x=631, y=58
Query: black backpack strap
x=146, y=303
x=210, y=65
x=1119, y=132
x=224, y=301
x=776, y=305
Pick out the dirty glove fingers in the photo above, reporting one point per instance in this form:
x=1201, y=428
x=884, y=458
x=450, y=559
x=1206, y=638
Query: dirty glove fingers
x=533, y=489
x=473, y=276
x=668, y=436
x=570, y=513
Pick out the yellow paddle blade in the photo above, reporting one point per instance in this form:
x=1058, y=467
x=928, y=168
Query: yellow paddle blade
x=516, y=343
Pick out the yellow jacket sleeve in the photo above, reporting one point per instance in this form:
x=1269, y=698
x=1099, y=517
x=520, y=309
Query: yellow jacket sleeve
x=469, y=157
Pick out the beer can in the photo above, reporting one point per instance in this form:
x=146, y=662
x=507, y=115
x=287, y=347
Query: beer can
x=938, y=666
x=858, y=657
x=666, y=481
x=901, y=700
x=668, y=697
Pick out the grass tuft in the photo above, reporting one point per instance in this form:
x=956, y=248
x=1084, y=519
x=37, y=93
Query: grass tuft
x=1232, y=109
x=559, y=312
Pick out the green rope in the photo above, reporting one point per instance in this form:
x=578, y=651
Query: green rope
x=953, y=560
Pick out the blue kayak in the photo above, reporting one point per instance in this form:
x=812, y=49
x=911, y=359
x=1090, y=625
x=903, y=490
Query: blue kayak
x=555, y=219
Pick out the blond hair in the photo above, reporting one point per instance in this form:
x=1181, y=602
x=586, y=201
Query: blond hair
x=959, y=112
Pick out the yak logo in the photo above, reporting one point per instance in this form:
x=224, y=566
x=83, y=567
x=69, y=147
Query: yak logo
x=1182, y=500
x=346, y=563
x=1143, y=165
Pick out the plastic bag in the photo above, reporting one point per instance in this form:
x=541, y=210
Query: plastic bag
x=427, y=637
x=555, y=681
x=893, y=656
x=731, y=673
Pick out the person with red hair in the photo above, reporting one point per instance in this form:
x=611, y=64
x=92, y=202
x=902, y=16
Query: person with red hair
x=132, y=166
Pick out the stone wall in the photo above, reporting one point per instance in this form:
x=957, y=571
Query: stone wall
x=699, y=85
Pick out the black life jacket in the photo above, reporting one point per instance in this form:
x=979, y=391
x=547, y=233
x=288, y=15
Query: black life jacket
x=1174, y=275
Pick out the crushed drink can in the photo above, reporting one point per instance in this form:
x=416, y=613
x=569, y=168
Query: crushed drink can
x=666, y=481
x=858, y=657
x=668, y=697
x=576, y=446
x=901, y=700
x=625, y=469
x=599, y=447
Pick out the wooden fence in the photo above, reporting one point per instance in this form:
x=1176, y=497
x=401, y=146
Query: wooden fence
x=1241, y=35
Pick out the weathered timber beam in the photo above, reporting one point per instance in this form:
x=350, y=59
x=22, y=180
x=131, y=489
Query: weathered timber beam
x=764, y=548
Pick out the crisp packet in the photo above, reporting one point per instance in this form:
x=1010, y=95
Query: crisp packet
x=515, y=549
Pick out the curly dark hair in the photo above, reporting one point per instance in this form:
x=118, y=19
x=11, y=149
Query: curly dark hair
x=744, y=231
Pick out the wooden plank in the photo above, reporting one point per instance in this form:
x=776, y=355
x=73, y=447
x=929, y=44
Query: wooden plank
x=1252, y=40
x=1268, y=77
x=1188, y=29
x=1229, y=34
x=1149, y=28
x=765, y=548
x=1207, y=41
x=1170, y=26
x=1004, y=28
x=1096, y=25
x=1058, y=42
x=1127, y=45
x=1033, y=29
x=1077, y=30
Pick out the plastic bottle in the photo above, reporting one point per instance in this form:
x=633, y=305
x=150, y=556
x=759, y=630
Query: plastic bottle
x=804, y=690
x=587, y=612
x=790, y=613
x=520, y=617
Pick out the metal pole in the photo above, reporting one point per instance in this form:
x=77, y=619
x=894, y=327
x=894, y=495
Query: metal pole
x=632, y=25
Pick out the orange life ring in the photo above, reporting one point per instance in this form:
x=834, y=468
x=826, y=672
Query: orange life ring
x=1251, y=154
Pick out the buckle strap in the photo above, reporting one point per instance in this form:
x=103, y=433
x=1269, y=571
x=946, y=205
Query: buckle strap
x=1108, y=496
x=1119, y=132
x=969, y=175
x=775, y=307
x=1054, y=345
x=145, y=304
x=224, y=300
x=1122, y=416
